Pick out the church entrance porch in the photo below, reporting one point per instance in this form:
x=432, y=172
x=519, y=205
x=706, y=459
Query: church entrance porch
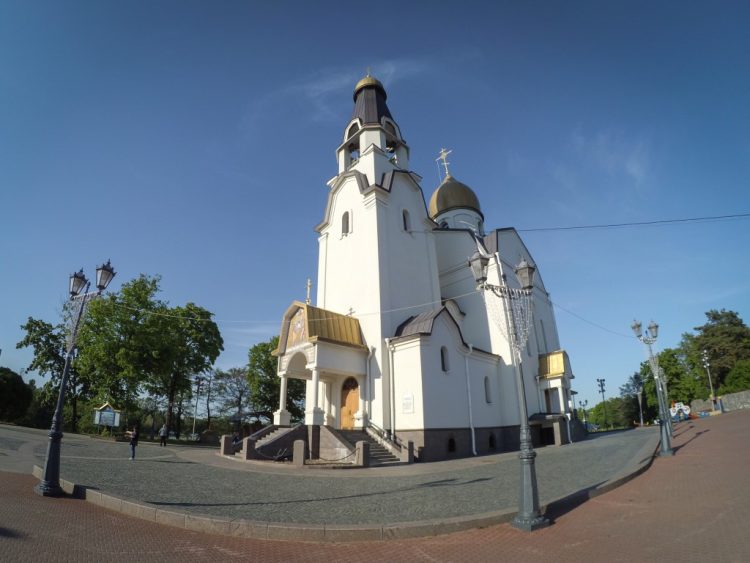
x=327, y=350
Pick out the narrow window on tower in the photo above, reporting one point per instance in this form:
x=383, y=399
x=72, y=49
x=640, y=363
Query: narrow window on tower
x=406, y=220
x=487, y=390
x=445, y=366
x=345, y=227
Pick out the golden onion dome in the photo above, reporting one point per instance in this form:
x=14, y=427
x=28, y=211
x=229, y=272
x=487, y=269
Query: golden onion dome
x=452, y=194
x=371, y=82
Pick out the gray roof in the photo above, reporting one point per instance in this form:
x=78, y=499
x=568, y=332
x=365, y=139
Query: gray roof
x=370, y=106
x=423, y=322
x=420, y=324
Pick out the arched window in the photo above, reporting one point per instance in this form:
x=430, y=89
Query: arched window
x=352, y=130
x=492, y=442
x=451, y=445
x=345, y=224
x=487, y=390
x=406, y=220
x=444, y=364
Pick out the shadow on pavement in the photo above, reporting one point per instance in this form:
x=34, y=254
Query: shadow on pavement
x=566, y=504
x=676, y=449
x=12, y=534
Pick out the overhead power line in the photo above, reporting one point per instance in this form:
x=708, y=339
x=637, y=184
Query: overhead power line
x=639, y=223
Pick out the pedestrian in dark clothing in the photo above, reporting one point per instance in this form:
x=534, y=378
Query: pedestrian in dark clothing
x=133, y=442
x=163, y=433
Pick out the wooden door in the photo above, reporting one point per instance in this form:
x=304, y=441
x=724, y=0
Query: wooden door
x=349, y=403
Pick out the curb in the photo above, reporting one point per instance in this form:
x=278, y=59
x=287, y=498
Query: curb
x=338, y=532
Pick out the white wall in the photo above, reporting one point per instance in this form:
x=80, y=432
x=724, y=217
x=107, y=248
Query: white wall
x=407, y=367
x=445, y=399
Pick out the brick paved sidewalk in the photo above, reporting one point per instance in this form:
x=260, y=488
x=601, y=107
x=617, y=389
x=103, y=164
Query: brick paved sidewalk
x=691, y=507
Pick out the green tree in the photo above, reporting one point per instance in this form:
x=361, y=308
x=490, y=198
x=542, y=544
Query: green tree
x=232, y=389
x=629, y=394
x=121, y=342
x=132, y=340
x=49, y=344
x=683, y=382
x=39, y=412
x=15, y=395
x=617, y=414
x=193, y=344
x=265, y=385
x=725, y=337
x=738, y=378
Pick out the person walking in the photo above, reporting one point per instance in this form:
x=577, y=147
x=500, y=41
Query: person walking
x=133, y=441
x=163, y=433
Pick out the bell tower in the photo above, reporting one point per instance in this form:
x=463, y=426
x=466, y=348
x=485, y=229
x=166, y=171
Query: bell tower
x=372, y=126
x=376, y=254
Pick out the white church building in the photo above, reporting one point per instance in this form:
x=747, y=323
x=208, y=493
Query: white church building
x=399, y=343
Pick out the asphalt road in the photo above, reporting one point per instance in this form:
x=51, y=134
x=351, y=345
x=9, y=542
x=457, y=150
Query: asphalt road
x=196, y=480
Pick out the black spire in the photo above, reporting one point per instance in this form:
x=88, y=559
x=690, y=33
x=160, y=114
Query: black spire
x=369, y=101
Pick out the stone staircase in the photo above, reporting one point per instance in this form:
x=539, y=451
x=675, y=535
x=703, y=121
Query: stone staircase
x=379, y=455
x=271, y=436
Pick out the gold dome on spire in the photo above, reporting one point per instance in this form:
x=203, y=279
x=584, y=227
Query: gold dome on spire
x=370, y=81
x=452, y=194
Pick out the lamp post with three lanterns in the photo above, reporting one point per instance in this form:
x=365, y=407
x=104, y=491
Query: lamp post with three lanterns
x=49, y=485
x=648, y=338
x=518, y=318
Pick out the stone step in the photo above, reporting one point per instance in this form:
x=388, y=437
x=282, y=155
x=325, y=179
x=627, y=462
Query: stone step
x=379, y=455
x=268, y=437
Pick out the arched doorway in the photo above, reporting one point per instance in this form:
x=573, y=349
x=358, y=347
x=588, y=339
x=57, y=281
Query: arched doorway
x=349, y=403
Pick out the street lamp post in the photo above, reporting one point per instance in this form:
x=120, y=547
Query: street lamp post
x=518, y=320
x=706, y=365
x=49, y=486
x=583, y=405
x=600, y=382
x=648, y=338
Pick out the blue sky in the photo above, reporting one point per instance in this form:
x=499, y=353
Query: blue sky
x=194, y=140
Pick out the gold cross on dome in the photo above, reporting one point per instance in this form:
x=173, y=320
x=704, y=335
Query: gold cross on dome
x=444, y=157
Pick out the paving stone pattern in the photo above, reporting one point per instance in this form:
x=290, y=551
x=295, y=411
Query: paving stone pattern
x=175, y=478
x=691, y=507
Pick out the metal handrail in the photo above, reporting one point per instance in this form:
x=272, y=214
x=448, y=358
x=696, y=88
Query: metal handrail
x=383, y=435
x=263, y=431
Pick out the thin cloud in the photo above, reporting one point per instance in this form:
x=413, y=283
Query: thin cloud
x=321, y=94
x=613, y=153
x=258, y=329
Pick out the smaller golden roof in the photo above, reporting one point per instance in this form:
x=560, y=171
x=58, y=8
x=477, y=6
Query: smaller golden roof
x=452, y=194
x=555, y=364
x=304, y=323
